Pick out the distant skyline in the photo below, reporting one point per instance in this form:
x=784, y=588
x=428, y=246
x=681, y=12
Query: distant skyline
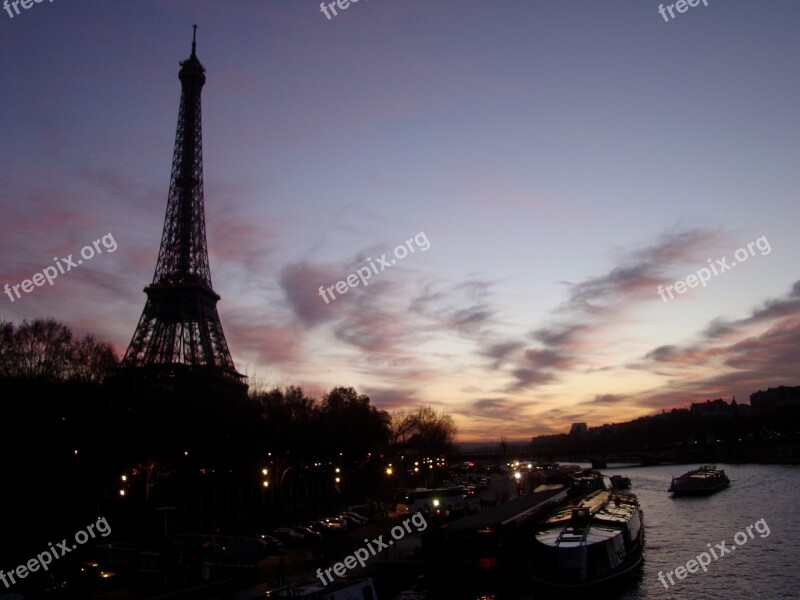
x=563, y=160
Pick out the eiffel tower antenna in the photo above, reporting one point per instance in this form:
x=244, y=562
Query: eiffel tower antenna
x=179, y=335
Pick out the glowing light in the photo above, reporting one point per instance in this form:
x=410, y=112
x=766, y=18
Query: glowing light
x=124, y=478
x=122, y=492
x=264, y=471
x=389, y=470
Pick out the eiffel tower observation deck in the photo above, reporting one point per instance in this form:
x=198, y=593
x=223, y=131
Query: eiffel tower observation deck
x=179, y=338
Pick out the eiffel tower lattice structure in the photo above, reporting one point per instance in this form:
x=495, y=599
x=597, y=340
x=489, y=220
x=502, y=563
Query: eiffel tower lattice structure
x=179, y=336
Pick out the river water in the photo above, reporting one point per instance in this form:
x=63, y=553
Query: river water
x=764, y=567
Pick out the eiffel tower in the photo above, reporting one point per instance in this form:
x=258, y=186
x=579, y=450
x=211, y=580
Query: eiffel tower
x=179, y=337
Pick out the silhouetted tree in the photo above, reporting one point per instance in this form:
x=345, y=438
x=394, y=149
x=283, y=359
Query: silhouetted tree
x=44, y=349
x=401, y=427
x=432, y=432
x=351, y=425
x=290, y=421
x=91, y=360
x=7, y=358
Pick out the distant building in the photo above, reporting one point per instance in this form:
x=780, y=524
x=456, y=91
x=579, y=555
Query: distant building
x=718, y=408
x=712, y=408
x=779, y=397
x=578, y=428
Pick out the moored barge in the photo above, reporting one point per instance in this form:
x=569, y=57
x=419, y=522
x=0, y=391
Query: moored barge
x=595, y=540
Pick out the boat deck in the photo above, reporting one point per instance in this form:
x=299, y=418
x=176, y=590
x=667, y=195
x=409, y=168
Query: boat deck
x=515, y=509
x=607, y=514
x=601, y=507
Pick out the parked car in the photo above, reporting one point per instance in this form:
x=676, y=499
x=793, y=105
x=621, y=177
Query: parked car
x=269, y=544
x=90, y=576
x=308, y=534
x=42, y=585
x=288, y=536
x=352, y=522
x=336, y=522
x=322, y=528
x=364, y=520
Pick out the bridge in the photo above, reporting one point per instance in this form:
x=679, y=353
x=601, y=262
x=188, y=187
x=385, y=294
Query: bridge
x=598, y=460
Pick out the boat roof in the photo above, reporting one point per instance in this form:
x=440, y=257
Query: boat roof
x=569, y=537
x=601, y=507
x=704, y=472
x=516, y=508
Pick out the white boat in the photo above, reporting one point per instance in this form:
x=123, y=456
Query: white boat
x=598, y=538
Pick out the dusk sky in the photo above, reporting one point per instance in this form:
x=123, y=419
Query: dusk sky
x=561, y=160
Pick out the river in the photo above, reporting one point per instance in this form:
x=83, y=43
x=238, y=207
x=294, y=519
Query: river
x=764, y=567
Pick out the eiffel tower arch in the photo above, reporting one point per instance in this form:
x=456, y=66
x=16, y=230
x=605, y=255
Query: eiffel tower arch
x=179, y=343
